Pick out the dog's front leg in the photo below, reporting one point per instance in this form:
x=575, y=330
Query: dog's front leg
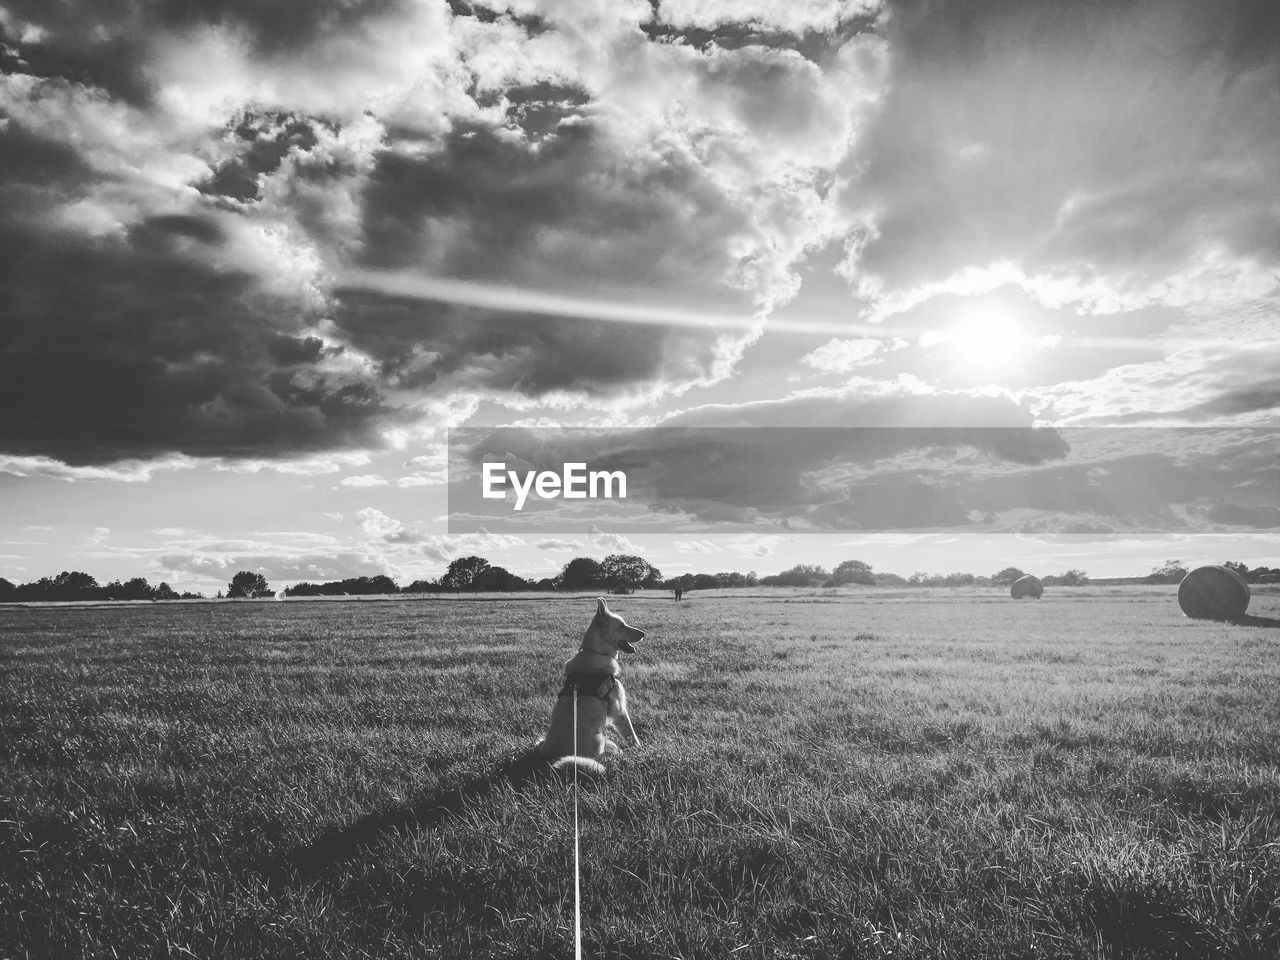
x=623, y=723
x=619, y=717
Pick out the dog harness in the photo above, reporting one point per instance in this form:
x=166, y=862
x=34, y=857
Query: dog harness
x=589, y=685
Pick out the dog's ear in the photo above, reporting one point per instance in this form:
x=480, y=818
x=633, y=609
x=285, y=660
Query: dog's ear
x=602, y=608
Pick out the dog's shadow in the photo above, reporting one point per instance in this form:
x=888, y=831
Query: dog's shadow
x=338, y=843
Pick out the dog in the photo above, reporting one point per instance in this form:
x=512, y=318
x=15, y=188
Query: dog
x=601, y=699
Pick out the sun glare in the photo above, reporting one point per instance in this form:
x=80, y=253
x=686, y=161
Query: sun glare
x=987, y=339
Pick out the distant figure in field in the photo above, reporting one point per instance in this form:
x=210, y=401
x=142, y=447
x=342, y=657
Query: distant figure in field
x=678, y=591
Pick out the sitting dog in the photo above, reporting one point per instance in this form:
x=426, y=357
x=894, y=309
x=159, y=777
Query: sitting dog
x=601, y=699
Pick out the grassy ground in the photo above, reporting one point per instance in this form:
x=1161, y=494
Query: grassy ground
x=870, y=774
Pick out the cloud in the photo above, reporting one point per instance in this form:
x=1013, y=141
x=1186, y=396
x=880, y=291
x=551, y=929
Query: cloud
x=376, y=525
x=558, y=545
x=909, y=462
x=336, y=565
x=210, y=173
x=755, y=547
x=364, y=480
x=1044, y=139
x=840, y=471
x=431, y=468
x=841, y=356
x=693, y=546
x=796, y=17
x=200, y=387
x=125, y=471
x=385, y=534
x=611, y=542
x=1231, y=514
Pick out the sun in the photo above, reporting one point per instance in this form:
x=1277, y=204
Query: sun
x=987, y=339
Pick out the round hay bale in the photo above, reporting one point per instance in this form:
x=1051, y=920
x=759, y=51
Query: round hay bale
x=1027, y=586
x=1213, y=593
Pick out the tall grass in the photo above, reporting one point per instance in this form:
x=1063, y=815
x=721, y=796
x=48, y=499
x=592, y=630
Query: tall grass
x=861, y=775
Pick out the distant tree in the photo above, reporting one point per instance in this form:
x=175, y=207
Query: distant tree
x=1074, y=578
x=582, y=573
x=248, y=584
x=499, y=580
x=165, y=592
x=462, y=573
x=851, y=571
x=546, y=583
x=137, y=589
x=1006, y=576
x=890, y=580
x=801, y=575
x=624, y=571
x=68, y=585
x=75, y=585
x=8, y=592
x=1240, y=568
x=1171, y=571
x=369, y=586
x=423, y=586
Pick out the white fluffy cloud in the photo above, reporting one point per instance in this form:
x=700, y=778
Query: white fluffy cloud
x=841, y=356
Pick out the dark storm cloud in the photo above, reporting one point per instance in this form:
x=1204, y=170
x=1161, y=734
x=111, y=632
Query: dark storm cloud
x=572, y=215
x=262, y=141
x=104, y=42
x=26, y=157
x=127, y=347
x=77, y=50
x=532, y=23
x=211, y=326
x=539, y=109
x=428, y=346
x=737, y=28
x=573, y=212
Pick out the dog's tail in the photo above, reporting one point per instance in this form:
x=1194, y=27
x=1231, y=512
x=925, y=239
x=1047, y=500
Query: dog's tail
x=585, y=766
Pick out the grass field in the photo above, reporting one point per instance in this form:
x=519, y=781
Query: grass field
x=870, y=774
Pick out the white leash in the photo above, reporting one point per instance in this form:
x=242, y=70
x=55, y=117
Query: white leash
x=577, y=888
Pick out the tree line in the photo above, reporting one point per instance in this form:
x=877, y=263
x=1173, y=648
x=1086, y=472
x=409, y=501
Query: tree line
x=76, y=585
x=616, y=573
x=1172, y=571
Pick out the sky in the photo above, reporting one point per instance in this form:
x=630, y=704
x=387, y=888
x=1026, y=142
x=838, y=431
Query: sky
x=258, y=259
